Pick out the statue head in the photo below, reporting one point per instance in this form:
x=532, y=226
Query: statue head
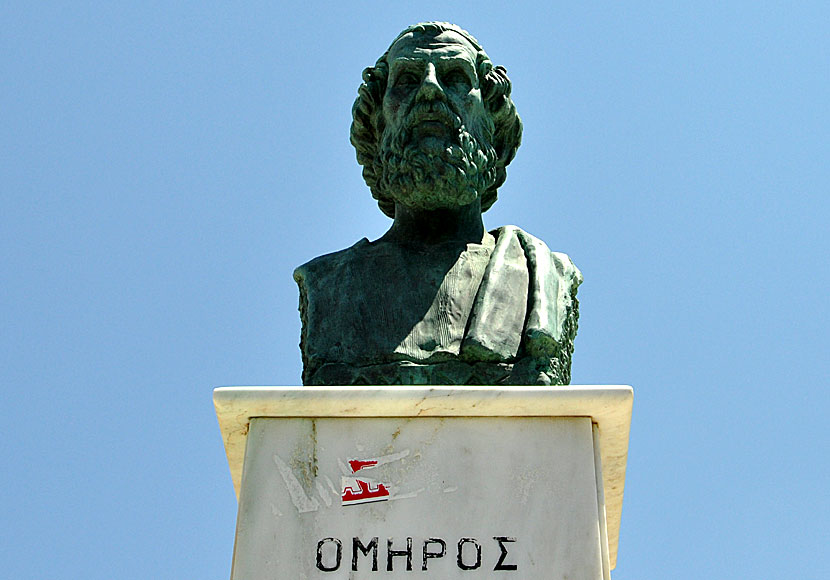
x=433, y=123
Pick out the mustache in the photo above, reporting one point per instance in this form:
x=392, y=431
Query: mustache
x=432, y=111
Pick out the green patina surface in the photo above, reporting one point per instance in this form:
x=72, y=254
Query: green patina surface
x=437, y=299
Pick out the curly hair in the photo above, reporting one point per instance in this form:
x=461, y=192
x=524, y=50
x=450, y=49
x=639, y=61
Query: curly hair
x=368, y=123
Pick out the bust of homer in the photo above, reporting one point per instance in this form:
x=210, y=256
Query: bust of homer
x=437, y=299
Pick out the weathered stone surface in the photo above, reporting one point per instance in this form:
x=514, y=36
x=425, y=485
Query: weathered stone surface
x=480, y=462
x=437, y=299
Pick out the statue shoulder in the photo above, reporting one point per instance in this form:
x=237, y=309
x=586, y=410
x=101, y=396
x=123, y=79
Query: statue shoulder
x=552, y=310
x=321, y=267
x=535, y=249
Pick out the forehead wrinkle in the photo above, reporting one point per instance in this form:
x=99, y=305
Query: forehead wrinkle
x=461, y=56
x=440, y=44
x=444, y=61
x=452, y=58
x=416, y=43
x=456, y=59
x=452, y=49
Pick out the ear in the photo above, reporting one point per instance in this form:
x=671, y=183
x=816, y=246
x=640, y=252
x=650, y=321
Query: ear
x=496, y=91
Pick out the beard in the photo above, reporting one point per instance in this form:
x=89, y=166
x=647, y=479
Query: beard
x=435, y=172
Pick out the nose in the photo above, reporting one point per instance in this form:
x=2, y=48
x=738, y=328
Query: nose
x=430, y=88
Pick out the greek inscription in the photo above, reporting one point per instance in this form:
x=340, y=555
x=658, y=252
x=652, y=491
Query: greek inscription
x=461, y=563
x=500, y=565
x=430, y=554
x=468, y=555
x=357, y=546
x=390, y=553
x=337, y=558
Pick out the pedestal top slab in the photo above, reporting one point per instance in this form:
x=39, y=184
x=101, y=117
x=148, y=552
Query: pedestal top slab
x=609, y=407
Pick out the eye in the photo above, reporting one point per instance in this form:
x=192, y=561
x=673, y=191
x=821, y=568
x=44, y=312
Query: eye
x=457, y=78
x=406, y=78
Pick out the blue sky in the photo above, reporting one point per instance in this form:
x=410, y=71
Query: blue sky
x=165, y=165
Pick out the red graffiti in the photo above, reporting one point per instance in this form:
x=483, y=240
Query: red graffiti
x=358, y=464
x=364, y=493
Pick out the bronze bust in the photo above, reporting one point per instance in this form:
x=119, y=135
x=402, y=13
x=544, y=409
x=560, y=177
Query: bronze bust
x=437, y=299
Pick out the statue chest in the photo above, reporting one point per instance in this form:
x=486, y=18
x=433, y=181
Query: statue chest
x=384, y=304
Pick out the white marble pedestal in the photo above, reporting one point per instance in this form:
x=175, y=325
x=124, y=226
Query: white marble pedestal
x=444, y=482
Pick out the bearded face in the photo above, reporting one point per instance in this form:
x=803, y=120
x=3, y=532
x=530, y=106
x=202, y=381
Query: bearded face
x=434, y=161
x=435, y=149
